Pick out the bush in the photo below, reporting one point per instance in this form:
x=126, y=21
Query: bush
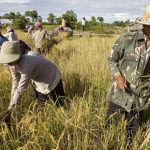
x=19, y=23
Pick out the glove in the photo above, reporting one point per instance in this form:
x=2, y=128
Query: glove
x=5, y=116
x=121, y=82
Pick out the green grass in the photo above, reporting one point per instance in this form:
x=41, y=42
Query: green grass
x=83, y=64
x=50, y=27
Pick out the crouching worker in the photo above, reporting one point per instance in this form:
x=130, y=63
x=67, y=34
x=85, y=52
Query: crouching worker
x=44, y=75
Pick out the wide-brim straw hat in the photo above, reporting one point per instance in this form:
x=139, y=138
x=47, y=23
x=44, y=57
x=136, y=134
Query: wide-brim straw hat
x=146, y=17
x=10, y=52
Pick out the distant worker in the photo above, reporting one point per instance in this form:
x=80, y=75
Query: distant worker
x=24, y=48
x=11, y=35
x=83, y=24
x=25, y=68
x=39, y=34
x=63, y=24
x=30, y=29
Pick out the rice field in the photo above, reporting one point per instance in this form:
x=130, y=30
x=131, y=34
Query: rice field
x=83, y=126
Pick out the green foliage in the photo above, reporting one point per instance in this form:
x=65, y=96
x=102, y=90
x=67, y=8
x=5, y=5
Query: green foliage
x=58, y=20
x=39, y=18
x=19, y=23
x=93, y=21
x=6, y=16
x=18, y=14
x=49, y=27
x=121, y=23
x=70, y=18
x=100, y=19
x=11, y=15
x=51, y=18
x=98, y=28
x=32, y=14
x=96, y=25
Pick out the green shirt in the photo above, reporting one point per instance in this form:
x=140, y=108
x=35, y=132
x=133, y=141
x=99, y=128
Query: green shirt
x=129, y=57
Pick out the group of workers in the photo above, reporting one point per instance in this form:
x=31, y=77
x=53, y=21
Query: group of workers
x=129, y=65
x=27, y=66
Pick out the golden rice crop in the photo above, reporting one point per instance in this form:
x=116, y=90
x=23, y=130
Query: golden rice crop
x=83, y=64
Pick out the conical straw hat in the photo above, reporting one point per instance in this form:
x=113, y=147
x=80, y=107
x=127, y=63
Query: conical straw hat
x=10, y=52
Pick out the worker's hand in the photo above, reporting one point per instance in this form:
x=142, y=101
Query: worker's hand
x=121, y=82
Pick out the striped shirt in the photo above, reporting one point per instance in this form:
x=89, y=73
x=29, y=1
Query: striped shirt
x=43, y=73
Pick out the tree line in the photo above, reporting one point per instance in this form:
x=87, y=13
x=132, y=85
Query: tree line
x=19, y=20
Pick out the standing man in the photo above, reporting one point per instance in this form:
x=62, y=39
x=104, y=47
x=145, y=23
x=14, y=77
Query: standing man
x=44, y=75
x=129, y=65
x=83, y=24
x=63, y=23
x=40, y=36
x=30, y=29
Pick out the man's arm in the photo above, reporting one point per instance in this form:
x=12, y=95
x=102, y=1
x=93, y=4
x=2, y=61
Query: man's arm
x=116, y=55
x=22, y=85
x=15, y=79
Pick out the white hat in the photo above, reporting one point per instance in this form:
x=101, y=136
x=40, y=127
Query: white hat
x=10, y=52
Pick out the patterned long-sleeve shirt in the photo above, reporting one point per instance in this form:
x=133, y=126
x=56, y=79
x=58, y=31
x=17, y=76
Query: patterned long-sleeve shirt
x=38, y=36
x=130, y=58
x=43, y=73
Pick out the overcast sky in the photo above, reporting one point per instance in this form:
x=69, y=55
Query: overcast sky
x=111, y=10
